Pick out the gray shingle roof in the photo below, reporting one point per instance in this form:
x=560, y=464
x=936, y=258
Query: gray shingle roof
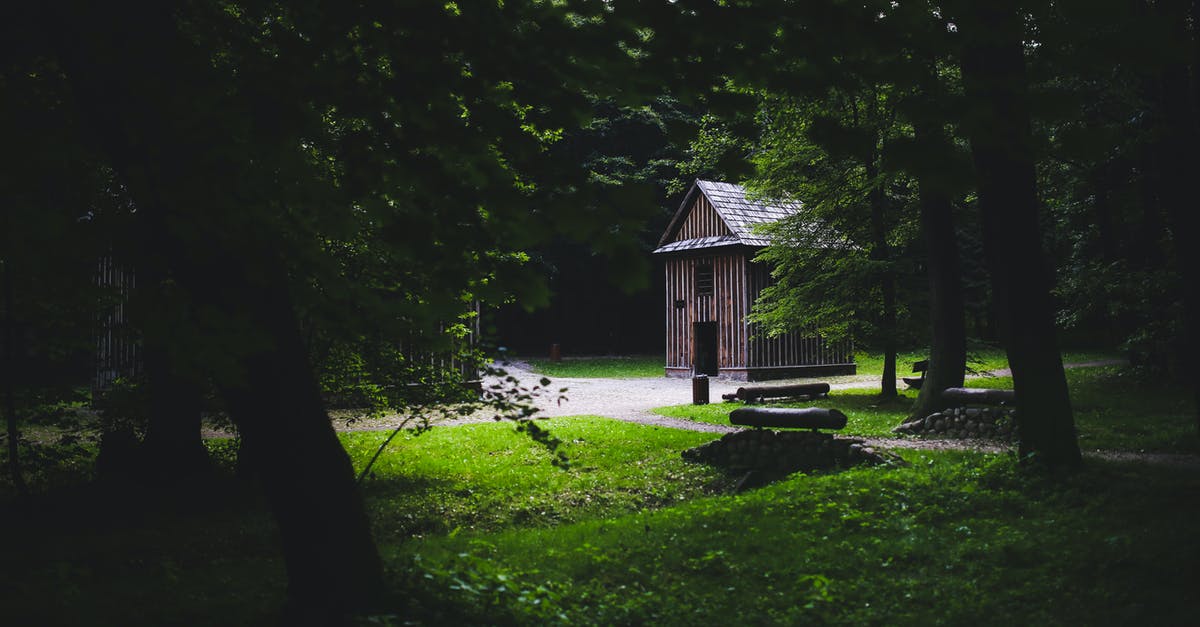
x=739, y=214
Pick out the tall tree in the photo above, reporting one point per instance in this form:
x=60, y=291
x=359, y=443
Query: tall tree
x=828, y=152
x=948, y=339
x=127, y=85
x=996, y=88
x=1178, y=103
x=250, y=136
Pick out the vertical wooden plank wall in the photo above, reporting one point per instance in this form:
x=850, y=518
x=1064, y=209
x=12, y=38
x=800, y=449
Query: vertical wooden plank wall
x=729, y=272
x=117, y=353
x=727, y=307
x=796, y=348
x=702, y=221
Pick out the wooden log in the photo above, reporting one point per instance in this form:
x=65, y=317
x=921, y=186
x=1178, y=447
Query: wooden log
x=978, y=396
x=762, y=392
x=788, y=418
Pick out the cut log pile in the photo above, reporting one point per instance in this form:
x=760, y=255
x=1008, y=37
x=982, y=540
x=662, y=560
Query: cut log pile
x=965, y=422
x=996, y=419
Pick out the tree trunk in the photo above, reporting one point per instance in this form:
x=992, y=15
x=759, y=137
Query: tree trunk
x=129, y=67
x=948, y=346
x=993, y=70
x=1180, y=103
x=8, y=369
x=333, y=567
x=887, y=279
x=173, y=449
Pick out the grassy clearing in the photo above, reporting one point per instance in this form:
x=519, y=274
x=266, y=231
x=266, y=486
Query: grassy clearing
x=631, y=367
x=954, y=539
x=1112, y=411
x=488, y=477
x=477, y=527
x=981, y=359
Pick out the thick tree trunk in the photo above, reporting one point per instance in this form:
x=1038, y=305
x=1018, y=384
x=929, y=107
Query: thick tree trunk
x=1180, y=102
x=8, y=369
x=173, y=449
x=308, y=478
x=993, y=69
x=129, y=67
x=948, y=345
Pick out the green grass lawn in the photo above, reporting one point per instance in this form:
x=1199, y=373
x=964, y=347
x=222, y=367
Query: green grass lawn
x=631, y=367
x=487, y=477
x=956, y=539
x=477, y=527
x=1112, y=411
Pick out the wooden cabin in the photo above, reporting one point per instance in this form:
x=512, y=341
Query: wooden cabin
x=711, y=282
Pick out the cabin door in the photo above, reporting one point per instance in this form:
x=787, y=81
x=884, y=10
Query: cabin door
x=704, y=348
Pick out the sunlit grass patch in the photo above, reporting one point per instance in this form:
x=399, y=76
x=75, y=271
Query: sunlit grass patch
x=628, y=367
x=956, y=538
x=486, y=476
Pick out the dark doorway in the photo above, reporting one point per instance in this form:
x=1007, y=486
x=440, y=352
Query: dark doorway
x=705, y=348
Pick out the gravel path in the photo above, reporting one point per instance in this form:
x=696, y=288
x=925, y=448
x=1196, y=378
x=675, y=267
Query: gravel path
x=632, y=399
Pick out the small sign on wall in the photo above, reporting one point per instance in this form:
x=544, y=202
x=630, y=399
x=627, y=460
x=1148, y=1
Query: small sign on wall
x=680, y=304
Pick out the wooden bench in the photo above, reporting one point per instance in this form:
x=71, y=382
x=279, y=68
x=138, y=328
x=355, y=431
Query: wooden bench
x=914, y=382
x=760, y=393
x=788, y=417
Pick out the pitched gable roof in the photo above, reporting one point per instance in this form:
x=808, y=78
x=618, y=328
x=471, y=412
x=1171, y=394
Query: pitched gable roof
x=738, y=214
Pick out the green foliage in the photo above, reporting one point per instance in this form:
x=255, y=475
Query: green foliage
x=833, y=261
x=124, y=406
x=717, y=152
x=57, y=445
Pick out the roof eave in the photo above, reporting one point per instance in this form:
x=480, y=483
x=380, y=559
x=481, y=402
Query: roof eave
x=677, y=219
x=703, y=250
